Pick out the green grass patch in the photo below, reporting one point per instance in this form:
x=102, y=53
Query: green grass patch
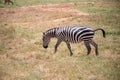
x=18, y=3
x=98, y=10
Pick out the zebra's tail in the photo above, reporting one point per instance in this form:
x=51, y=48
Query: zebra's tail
x=101, y=30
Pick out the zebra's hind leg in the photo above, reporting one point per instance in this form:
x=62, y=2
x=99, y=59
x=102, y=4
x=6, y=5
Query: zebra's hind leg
x=69, y=47
x=57, y=44
x=96, y=46
x=87, y=45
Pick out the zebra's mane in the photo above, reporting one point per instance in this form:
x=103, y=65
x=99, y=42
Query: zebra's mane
x=51, y=32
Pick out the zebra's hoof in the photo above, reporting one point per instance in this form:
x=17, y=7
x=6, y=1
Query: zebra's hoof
x=71, y=54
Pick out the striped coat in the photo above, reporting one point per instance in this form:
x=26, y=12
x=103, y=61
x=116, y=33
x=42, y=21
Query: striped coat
x=72, y=34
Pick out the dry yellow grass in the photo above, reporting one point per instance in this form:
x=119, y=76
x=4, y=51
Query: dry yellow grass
x=22, y=56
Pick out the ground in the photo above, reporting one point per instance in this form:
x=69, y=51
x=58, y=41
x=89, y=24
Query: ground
x=22, y=56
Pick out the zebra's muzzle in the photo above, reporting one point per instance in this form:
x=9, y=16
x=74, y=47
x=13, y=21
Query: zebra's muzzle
x=45, y=46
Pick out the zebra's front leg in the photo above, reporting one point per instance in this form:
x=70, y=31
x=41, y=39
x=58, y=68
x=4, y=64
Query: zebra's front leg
x=69, y=47
x=87, y=45
x=57, y=44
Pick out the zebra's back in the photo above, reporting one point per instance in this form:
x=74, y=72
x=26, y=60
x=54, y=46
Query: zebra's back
x=74, y=34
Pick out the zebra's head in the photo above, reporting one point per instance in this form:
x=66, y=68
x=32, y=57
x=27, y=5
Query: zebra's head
x=46, y=40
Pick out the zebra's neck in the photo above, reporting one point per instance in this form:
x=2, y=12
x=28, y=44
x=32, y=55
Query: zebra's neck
x=51, y=32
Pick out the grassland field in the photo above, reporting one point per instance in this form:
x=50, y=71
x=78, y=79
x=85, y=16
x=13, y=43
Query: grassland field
x=22, y=56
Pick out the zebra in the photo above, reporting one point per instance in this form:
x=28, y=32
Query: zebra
x=72, y=34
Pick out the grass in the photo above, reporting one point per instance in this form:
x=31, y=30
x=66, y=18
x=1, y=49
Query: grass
x=22, y=56
x=108, y=16
x=99, y=10
x=18, y=3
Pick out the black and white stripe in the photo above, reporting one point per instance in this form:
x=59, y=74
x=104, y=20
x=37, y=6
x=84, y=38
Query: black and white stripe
x=70, y=34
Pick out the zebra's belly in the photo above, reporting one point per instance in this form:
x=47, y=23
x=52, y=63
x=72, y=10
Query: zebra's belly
x=71, y=40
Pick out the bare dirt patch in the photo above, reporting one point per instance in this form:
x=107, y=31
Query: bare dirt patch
x=41, y=8
x=42, y=15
